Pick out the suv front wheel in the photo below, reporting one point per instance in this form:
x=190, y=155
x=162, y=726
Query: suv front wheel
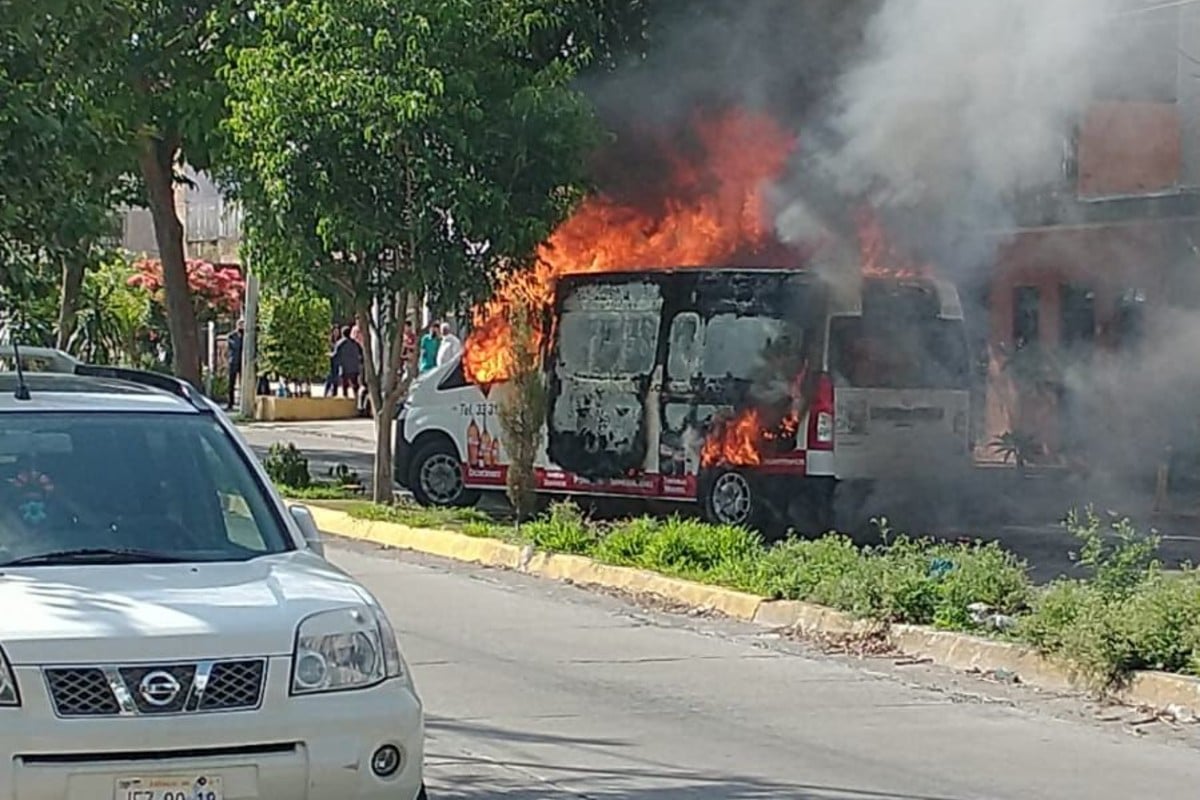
x=436, y=477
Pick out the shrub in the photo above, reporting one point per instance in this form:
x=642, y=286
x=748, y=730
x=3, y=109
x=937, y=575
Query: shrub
x=694, y=549
x=1119, y=563
x=287, y=465
x=563, y=530
x=522, y=414
x=625, y=544
x=294, y=343
x=807, y=569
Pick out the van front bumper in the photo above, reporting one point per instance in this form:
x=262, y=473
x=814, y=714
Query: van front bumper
x=317, y=747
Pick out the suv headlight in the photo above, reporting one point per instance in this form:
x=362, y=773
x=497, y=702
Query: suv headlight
x=347, y=648
x=9, y=696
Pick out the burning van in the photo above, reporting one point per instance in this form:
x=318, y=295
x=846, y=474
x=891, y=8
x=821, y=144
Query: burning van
x=749, y=392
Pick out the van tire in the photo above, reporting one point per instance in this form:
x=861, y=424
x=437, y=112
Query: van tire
x=436, y=477
x=729, y=497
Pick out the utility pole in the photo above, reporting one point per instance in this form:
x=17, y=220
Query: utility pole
x=250, y=344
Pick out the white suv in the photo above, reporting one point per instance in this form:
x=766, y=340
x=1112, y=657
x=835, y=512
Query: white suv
x=169, y=629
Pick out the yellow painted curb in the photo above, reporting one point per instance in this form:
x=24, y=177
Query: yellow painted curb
x=1163, y=690
x=268, y=408
x=579, y=569
x=945, y=648
x=446, y=544
x=810, y=619
x=969, y=653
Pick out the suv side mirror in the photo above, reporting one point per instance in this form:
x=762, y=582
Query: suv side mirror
x=308, y=526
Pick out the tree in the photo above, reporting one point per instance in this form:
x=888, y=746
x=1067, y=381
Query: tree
x=175, y=102
x=522, y=414
x=60, y=145
x=294, y=343
x=390, y=150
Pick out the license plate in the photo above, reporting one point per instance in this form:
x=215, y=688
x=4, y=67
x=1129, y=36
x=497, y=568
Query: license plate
x=169, y=787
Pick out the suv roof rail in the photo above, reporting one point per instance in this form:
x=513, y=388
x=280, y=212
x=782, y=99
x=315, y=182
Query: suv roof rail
x=63, y=363
x=157, y=380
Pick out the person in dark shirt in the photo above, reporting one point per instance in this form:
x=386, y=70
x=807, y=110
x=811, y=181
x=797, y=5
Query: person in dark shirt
x=235, y=358
x=348, y=356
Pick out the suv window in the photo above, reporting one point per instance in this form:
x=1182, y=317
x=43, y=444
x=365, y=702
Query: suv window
x=169, y=483
x=912, y=353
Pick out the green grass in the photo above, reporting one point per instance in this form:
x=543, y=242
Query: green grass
x=1129, y=615
x=318, y=491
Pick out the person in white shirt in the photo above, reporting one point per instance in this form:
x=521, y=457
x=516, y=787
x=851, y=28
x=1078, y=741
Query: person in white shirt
x=450, y=346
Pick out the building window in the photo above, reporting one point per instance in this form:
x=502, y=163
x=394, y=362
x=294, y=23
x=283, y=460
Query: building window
x=1078, y=309
x=1026, y=315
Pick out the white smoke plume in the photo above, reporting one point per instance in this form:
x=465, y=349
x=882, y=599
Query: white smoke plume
x=952, y=108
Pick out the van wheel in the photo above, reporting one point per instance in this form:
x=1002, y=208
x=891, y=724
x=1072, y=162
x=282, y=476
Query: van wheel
x=729, y=498
x=436, y=477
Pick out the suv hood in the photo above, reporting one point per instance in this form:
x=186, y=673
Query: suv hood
x=103, y=614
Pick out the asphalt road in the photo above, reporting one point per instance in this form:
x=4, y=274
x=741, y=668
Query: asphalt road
x=537, y=690
x=1035, y=535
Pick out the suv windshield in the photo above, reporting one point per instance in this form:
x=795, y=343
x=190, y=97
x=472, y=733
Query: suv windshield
x=138, y=487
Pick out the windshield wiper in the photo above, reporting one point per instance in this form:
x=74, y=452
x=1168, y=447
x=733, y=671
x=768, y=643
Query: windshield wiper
x=97, y=555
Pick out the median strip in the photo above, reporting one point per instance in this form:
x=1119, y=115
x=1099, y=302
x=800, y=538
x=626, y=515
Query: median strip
x=976, y=610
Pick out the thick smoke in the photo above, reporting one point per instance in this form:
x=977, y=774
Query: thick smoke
x=945, y=116
x=950, y=112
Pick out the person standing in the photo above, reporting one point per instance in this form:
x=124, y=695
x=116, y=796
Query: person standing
x=410, y=346
x=234, y=354
x=429, y=348
x=450, y=346
x=348, y=356
x=331, y=380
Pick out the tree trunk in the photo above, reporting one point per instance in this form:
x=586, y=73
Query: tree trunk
x=385, y=388
x=157, y=163
x=68, y=304
x=383, y=472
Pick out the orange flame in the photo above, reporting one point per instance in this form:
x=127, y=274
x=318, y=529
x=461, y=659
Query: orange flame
x=879, y=257
x=711, y=210
x=744, y=439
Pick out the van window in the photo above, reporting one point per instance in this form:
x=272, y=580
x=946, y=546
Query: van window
x=917, y=353
x=608, y=344
x=736, y=346
x=683, y=359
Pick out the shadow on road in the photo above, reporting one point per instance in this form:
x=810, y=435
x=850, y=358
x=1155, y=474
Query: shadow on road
x=474, y=779
x=463, y=776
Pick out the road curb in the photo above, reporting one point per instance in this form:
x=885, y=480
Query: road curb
x=1179, y=694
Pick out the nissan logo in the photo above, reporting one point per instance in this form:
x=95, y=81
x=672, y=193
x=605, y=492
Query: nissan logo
x=159, y=688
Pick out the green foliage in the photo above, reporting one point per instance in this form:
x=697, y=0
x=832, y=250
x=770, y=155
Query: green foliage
x=1131, y=615
x=58, y=174
x=563, y=530
x=287, y=465
x=522, y=413
x=113, y=317
x=294, y=342
x=415, y=516
x=1119, y=562
x=1127, y=615
x=317, y=491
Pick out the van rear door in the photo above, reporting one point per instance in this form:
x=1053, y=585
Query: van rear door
x=604, y=356
x=902, y=394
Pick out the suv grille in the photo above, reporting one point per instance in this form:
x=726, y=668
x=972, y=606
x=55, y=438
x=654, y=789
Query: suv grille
x=149, y=689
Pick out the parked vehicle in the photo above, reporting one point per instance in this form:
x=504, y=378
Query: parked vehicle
x=170, y=629
x=751, y=392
